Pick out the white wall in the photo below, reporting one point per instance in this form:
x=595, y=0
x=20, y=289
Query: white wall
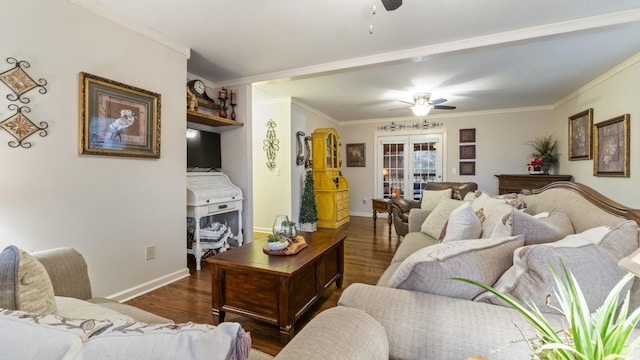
x=271, y=188
x=108, y=208
x=280, y=194
x=613, y=94
x=500, y=149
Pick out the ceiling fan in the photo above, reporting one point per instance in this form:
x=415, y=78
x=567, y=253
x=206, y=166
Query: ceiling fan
x=422, y=104
x=391, y=5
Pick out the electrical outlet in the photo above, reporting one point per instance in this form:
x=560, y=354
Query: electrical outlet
x=364, y=200
x=150, y=252
x=454, y=170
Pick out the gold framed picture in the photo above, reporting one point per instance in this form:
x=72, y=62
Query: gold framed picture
x=611, y=147
x=580, y=137
x=118, y=119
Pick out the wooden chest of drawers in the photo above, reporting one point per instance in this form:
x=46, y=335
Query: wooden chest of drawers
x=515, y=183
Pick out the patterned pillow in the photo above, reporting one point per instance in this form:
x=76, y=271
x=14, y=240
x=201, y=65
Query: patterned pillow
x=555, y=226
x=490, y=209
x=24, y=283
x=431, y=198
x=430, y=269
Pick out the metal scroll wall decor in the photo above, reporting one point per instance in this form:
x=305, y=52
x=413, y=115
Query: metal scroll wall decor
x=271, y=144
x=420, y=125
x=303, y=155
x=299, y=149
x=20, y=83
x=307, y=158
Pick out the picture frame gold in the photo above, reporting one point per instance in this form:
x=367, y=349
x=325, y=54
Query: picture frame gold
x=611, y=147
x=117, y=119
x=356, y=155
x=580, y=135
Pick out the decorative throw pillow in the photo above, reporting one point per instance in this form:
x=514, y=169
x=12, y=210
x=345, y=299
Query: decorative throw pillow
x=436, y=219
x=541, y=230
x=430, y=269
x=530, y=278
x=228, y=340
x=621, y=240
x=463, y=224
x=431, y=198
x=25, y=283
x=491, y=214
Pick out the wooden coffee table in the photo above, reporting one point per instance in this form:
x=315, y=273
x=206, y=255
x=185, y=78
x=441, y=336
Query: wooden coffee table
x=275, y=289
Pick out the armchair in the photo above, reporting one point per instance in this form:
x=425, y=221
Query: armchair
x=401, y=207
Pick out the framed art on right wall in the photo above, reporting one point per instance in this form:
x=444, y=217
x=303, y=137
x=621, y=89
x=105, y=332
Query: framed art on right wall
x=580, y=139
x=611, y=143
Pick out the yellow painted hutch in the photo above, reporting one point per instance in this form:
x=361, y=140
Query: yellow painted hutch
x=331, y=189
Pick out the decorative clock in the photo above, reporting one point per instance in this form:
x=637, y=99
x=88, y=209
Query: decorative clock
x=198, y=89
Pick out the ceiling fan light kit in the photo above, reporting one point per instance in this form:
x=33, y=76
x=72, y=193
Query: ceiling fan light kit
x=421, y=110
x=422, y=105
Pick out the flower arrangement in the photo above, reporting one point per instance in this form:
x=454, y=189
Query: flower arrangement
x=543, y=150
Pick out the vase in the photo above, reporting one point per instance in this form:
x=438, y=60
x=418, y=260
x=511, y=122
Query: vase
x=281, y=225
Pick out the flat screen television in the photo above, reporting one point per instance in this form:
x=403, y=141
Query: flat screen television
x=203, y=150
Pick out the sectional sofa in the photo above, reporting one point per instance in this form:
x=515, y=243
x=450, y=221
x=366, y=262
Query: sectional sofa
x=414, y=312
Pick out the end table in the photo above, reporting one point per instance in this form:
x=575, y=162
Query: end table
x=382, y=205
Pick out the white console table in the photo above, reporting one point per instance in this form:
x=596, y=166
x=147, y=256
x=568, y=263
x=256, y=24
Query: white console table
x=212, y=194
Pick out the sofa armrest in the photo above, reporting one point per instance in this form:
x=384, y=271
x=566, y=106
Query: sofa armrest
x=339, y=333
x=416, y=218
x=68, y=272
x=445, y=328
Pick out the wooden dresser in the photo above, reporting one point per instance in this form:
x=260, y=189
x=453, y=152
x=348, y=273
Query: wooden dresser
x=515, y=183
x=331, y=189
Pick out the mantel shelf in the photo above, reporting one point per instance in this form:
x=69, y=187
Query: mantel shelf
x=211, y=120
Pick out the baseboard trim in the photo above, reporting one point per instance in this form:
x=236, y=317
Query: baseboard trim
x=149, y=286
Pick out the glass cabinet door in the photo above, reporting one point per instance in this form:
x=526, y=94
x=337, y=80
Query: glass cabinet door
x=332, y=151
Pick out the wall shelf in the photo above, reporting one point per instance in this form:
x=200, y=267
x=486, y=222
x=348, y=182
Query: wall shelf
x=211, y=120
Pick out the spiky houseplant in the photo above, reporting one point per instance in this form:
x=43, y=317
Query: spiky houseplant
x=601, y=335
x=545, y=148
x=308, y=211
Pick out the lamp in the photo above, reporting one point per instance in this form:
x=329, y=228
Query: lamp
x=422, y=105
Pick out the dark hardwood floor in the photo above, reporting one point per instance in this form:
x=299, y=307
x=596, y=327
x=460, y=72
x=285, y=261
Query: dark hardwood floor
x=367, y=254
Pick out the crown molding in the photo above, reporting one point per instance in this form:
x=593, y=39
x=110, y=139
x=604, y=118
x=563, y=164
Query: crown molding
x=124, y=20
x=600, y=79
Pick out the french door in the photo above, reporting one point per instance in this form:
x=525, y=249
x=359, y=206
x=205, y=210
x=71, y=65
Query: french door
x=406, y=163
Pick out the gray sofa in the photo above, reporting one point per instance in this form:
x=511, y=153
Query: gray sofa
x=421, y=325
x=381, y=321
x=105, y=325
